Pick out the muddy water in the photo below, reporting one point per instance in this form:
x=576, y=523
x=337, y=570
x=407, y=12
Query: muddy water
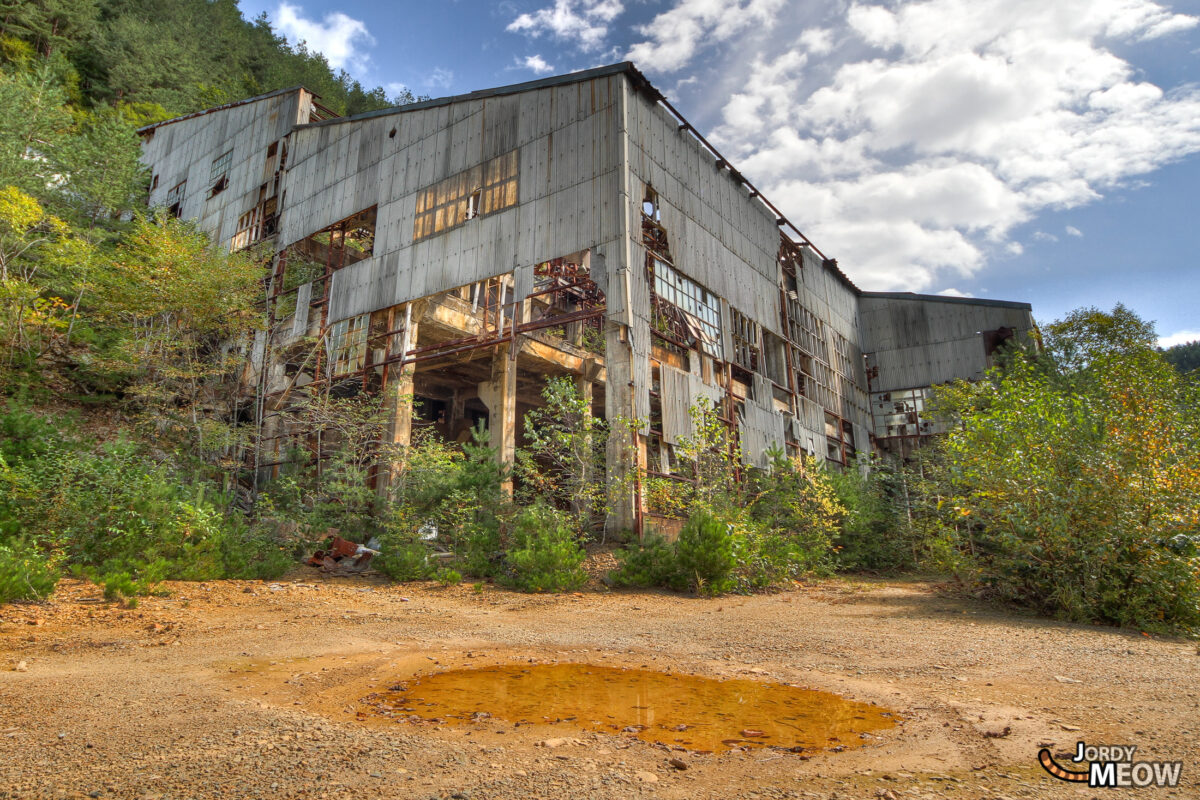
x=696, y=713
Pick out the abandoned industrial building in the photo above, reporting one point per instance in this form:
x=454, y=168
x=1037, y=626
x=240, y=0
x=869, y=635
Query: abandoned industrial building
x=460, y=250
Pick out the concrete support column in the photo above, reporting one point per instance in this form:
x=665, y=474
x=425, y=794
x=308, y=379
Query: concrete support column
x=457, y=413
x=500, y=396
x=625, y=458
x=399, y=385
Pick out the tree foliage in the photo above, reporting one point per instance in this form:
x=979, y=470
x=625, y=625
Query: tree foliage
x=176, y=56
x=1070, y=482
x=1184, y=357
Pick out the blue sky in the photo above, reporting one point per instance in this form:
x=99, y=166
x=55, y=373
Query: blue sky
x=1013, y=149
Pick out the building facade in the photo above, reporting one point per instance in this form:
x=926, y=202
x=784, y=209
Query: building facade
x=462, y=250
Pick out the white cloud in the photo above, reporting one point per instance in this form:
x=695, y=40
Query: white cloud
x=953, y=293
x=440, y=78
x=913, y=149
x=817, y=41
x=535, y=63
x=675, y=35
x=338, y=37
x=1179, y=337
x=1073, y=231
x=584, y=21
x=1042, y=236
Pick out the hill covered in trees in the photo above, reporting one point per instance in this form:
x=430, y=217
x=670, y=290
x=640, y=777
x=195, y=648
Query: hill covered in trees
x=1184, y=357
x=157, y=59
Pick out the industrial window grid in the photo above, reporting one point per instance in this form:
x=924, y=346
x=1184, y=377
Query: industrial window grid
x=481, y=190
x=701, y=307
x=348, y=344
x=175, y=198
x=902, y=413
x=746, y=338
x=218, y=174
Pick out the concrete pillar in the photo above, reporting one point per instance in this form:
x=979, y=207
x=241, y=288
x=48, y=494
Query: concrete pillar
x=626, y=452
x=457, y=413
x=500, y=396
x=400, y=382
x=399, y=386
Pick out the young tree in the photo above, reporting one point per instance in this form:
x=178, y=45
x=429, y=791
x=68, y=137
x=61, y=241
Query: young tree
x=178, y=305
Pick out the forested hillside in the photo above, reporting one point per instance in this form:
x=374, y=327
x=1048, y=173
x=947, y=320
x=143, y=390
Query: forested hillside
x=1185, y=357
x=105, y=307
x=157, y=59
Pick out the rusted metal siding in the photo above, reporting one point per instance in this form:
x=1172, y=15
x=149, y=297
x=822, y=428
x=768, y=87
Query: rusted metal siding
x=184, y=150
x=921, y=340
x=569, y=174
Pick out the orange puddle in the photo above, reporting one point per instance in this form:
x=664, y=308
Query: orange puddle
x=697, y=713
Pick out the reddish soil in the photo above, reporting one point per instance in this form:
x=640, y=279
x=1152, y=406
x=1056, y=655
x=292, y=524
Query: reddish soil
x=243, y=689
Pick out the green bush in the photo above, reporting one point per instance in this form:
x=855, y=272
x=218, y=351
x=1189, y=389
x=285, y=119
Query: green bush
x=403, y=561
x=768, y=558
x=448, y=577
x=545, y=555
x=126, y=522
x=24, y=435
x=650, y=563
x=25, y=572
x=874, y=533
x=796, y=500
x=705, y=554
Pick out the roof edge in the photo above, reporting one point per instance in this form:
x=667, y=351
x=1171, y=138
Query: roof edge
x=941, y=298
x=154, y=125
x=499, y=91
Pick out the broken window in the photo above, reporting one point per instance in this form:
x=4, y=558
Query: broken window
x=747, y=350
x=685, y=310
x=481, y=190
x=348, y=344
x=650, y=209
x=218, y=175
x=175, y=199
x=256, y=224
x=902, y=413
x=993, y=341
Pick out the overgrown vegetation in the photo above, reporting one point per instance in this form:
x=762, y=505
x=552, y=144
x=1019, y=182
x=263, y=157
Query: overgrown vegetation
x=1069, y=482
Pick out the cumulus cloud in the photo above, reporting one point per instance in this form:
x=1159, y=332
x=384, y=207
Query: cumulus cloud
x=536, y=63
x=817, y=41
x=338, y=37
x=935, y=127
x=674, y=36
x=1179, y=337
x=951, y=292
x=583, y=21
x=1073, y=231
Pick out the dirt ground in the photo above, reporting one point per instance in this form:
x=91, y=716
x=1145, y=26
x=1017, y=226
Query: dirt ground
x=244, y=689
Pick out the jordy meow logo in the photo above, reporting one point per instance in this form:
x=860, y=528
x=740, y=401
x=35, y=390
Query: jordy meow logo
x=1112, y=766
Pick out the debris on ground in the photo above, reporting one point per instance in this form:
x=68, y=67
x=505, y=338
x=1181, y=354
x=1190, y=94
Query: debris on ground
x=345, y=557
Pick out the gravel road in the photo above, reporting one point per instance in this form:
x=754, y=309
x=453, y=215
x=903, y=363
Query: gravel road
x=239, y=689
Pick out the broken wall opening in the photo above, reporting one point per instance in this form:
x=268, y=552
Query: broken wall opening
x=475, y=353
